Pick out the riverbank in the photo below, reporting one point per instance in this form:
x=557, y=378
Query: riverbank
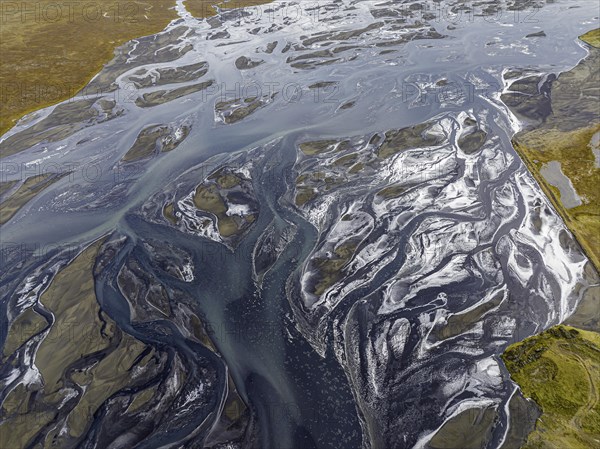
x=51, y=50
x=558, y=368
x=565, y=137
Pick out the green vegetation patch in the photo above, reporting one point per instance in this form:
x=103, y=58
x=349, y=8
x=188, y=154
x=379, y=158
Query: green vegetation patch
x=169, y=213
x=459, y=323
x=572, y=149
x=330, y=268
x=470, y=429
x=356, y=168
x=241, y=113
x=64, y=121
x=153, y=139
x=146, y=143
x=28, y=190
x=227, y=187
x=406, y=138
x=317, y=147
x=560, y=370
x=83, y=346
x=225, y=179
x=206, y=8
x=6, y=186
x=565, y=136
x=347, y=160
x=159, y=97
x=142, y=398
x=592, y=38
x=304, y=195
x=207, y=198
x=393, y=191
x=472, y=142
x=25, y=326
x=47, y=47
x=309, y=185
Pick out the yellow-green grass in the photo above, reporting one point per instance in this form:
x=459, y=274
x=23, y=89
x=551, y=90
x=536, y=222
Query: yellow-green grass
x=592, y=38
x=560, y=370
x=152, y=140
x=200, y=333
x=330, y=269
x=208, y=198
x=25, y=326
x=105, y=379
x=52, y=51
x=458, y=323
x=79, y=328
x=204, y=8
x=356, y=168
x=392, y=191
x=317, y=147
x=310, y=184
x=6, y=186
x=346, y=161
x=566, y=137
x=169, y=213
x=572, y=150
x=145, y=144
x=16, y=432
x=142, y=398
x=225, y=180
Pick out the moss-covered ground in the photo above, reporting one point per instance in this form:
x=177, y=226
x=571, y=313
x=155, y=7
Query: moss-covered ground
x=50, y=50
x=567, y=136
x=560, y=370
x=205, y=8
x=592, y=38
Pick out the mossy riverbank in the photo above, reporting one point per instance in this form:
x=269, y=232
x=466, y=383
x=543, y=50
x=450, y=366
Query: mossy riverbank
x=560, y=370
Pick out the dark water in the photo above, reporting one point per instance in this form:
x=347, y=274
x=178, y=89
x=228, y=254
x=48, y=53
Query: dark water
x=314, y=376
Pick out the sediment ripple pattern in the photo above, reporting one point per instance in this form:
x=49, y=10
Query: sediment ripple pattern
x=290, y=226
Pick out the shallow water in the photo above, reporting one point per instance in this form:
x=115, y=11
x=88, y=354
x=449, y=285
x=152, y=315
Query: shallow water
x=552, y=172
x=307, y=365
